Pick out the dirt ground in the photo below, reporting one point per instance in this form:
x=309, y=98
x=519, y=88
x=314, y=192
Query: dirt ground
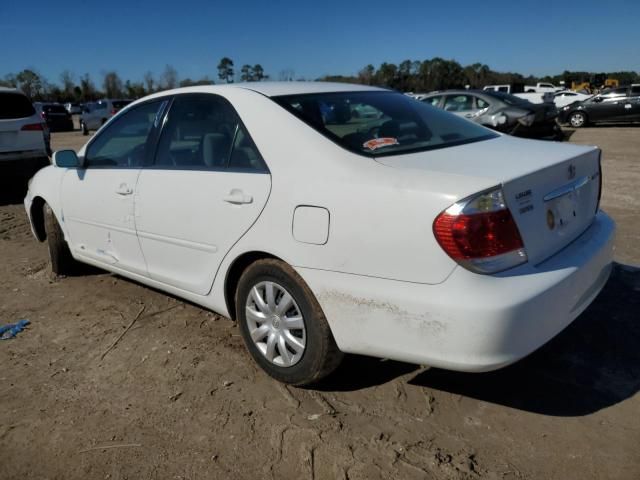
x=178, y=397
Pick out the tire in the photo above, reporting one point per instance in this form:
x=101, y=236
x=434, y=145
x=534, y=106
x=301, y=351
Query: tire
x=319, y=354
x=578, y=120
x=62, y=263
x=83, y=127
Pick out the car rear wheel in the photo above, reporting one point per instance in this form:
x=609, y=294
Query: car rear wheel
x=62, y=263
x=283, y=325
x=578, y=119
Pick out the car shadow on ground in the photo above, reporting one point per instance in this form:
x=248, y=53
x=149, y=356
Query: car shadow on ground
x=593, y=364
x=13, y=192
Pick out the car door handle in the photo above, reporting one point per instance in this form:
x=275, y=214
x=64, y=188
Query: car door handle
x=124, y=189
x=237, y=197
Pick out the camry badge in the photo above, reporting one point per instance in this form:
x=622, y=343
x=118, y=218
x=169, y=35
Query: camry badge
x=572, y=171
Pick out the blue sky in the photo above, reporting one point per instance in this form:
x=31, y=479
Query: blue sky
x=314, y=38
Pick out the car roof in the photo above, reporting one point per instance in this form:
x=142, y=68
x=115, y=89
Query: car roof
x=274, y=89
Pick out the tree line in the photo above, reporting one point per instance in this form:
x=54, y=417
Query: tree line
x=441, y=74
x=407, y=76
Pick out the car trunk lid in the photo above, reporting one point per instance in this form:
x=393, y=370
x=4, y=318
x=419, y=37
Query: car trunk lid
x=551, y=189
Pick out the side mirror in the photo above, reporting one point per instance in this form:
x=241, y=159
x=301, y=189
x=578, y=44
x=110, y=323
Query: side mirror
x=66, y=159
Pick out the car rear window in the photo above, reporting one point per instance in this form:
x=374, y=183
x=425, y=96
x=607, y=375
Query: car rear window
x=54, y=109
x=381, y=123
x=118, y=104
x=15, y=105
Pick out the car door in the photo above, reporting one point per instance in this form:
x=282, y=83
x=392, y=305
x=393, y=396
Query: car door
x=207, y=186
x=98, y=199
x=609, y=106
x=634, y=102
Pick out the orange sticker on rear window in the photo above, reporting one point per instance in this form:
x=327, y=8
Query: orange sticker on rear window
x=376, y=143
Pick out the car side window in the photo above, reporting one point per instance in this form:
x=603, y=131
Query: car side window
x=433, y=101
x=204, y=132
x=482, y=104
x=458, y=103
x=123, y=143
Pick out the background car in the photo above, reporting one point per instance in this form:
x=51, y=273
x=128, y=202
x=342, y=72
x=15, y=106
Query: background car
x=247, y=200
x=55, y=116
x=96, y=114
x=73, y=108
x=615, y=105
x=567, y=97
x=500, y=111
x=24, y=137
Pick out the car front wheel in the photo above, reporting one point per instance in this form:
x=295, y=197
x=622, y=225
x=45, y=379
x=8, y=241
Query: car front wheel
x=62, y=263
x=283, y=325
x=578, y=119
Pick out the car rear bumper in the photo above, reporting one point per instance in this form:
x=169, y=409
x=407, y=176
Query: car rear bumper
x=22, y=157
x=469, y=322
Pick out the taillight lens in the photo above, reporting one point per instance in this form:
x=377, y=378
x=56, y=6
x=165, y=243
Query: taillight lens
x=32, y=127
x=480, y=233
x=114, y=111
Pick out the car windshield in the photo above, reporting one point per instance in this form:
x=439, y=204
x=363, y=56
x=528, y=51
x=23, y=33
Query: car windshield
x=508, y=98
x=381, y=123
x=14, y=105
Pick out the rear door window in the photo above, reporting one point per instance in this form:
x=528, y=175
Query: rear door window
x=15, y=105
x=205, y=132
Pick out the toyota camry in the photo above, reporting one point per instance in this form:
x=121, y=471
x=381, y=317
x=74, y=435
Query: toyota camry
x=332, y=218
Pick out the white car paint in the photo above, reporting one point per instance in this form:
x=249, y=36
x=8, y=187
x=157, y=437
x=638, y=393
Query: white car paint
x=386, y=286
x=567, y=97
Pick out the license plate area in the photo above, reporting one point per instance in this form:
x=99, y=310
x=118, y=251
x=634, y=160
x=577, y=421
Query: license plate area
x=564, y=209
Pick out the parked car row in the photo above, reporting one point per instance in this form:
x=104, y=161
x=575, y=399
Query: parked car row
x=500, y=111
x=96, y=114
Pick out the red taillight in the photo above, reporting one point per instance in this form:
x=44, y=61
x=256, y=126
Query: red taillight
x=32, y=127
x=477, y=236
x=480, y=234
x=114, y=111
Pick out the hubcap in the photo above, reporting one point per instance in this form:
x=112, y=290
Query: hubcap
x=275, y=324
x=577, y=120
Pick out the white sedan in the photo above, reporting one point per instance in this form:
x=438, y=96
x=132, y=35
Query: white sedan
x=410, y=234
x=567, y=97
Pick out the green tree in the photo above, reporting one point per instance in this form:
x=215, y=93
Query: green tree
x=366, y=76
x=258, y=73
x=30, y=83
x=225, y=70
x=246, y=73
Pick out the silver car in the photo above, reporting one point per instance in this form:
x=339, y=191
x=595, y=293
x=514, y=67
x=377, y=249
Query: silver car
x=96, y=114
x=500, y=111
